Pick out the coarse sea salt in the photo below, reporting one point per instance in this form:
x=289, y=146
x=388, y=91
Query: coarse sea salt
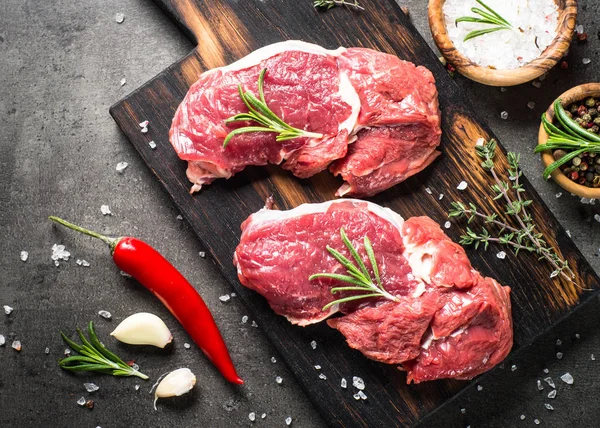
x=152, y=144
x=344, y=383
x=501, y=255
x=123, y=81
x=2, y=340
x=313, y=344
x=288, y=421
x=119, y=17
x=105, y=210
x=534, y=25
x=462, y=185
x=552, y=394
x=567, y=378
x=121, y=166
x=24, y=256
x=105, y=314
x=447, y=225
x=7, y=310
x=358, y=383
x=225, y=298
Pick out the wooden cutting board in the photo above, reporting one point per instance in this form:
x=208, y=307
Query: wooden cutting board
x=227, y=30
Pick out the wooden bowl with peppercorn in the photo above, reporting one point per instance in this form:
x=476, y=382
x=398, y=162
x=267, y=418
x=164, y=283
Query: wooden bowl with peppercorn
x=486, y=51
x=569, y=140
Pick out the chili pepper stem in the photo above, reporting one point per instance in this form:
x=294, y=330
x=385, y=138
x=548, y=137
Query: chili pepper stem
x=112, y=242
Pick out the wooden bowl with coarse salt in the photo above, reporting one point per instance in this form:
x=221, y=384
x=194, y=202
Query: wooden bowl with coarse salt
x=489, y=75
x=578, y=93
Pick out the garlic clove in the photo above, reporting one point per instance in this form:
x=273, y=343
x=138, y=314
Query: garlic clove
x=176, y=383
x=143, y=328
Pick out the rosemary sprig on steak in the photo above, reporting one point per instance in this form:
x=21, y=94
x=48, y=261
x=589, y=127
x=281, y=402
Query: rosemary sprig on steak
x=328, y=4
x=519, y=233
x=358, y=275
x=488, y=17
x=258, y=111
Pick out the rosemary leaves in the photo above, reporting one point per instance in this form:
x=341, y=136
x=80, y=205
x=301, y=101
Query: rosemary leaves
x=328, y=4
x=515, y=228
x=357, y=275
x=259, y=112
x=489, y=17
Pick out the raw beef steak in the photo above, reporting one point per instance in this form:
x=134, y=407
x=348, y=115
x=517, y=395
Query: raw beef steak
x=447, y=320
x=384, y=108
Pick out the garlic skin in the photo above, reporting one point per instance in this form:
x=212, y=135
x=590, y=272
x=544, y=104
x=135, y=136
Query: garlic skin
x=143, y=328
x=176, y=383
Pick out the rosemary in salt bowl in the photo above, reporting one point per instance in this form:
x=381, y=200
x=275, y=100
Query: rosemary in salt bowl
x=502, y=42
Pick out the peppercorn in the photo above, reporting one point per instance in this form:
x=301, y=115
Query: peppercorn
x=592, y=154
x=574, y=175
x=597, y=121
x=590, y=102
x=576, y=161
x=593, y=111
x=578, y=120
x=581, y=37
x=583, y=166
x=573, y=108
x=596, y=182
x=568, y=113
x=574, y=168
x=589, y=176
x=566, y=170
x=559, y=153
x=89, y=404
x=587, y=125
x=581, y=110
x=581, y=180
x=595, y=129
x=587, y=117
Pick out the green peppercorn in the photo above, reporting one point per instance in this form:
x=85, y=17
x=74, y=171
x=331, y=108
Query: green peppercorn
x=559, y=153
x=583, y=166
x=595, y=129
x=597, y=121
x=566, y=170
x=590, y=102
x=593, y=112
x=576, y=161
x=573, y=108
x=593, y=154
x=584, y=124
x=587, y=117
x=579, y=120
x=574, y=168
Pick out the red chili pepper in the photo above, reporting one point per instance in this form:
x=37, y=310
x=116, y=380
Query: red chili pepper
x=154, y=272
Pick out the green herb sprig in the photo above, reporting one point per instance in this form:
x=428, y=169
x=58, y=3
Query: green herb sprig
x=358, y=275
x=520, y=234
x=328, y=4
x=93, y=356
x=488, y=16
x=571, y=137
x=258, y=111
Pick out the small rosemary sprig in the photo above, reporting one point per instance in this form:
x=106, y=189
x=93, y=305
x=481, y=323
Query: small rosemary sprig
x=358, y=276
x=258, y=111
x=521, y=233
x=571, y=137
x=328, y=4
x=93, y=356
x=488, y=16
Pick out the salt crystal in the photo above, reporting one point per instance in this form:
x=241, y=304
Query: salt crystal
x=358, y=383
x=362, y=395
x=135, y=367
x=144, y=124
x=144, y=130
x=225, y=298
x=480, y=141
x=344, y=383
x=568, y=232
x=59, y=253
x=536, y=421
x=428, y=190
x=462, y=185
x=67, y=352
x=513, y=367
x=81, y=401
x=137, y=387
x=119, y=17
x=559, y=355
x=254, y=324
x=105, y=314
x=503, y=89
x=7, y=309
x=91, y=387
x=125, y=274
x=579, y=28
x=537, y=84
x=447, y=225
x=232, y=294
x=501, y=255
x=47, y=350
x=152, y=145
x=244, y=319
x=531, y=105
x=187, y=345
x=24, y=256
x=16, y=345
x=105, y=210
x=539, y=385
x=558, y=342
x=441, y=197
x=252, y=416
x=567, y=378
x=522, y=417
x=179, y=217
x=121, y=167
x=313, y=344
x=278, y=380
x=558, y=195
x=273, y=360
x=597, y=217
x=479, y=388
x=85, y=263
x=264, y=415
x=504, y=115
x=586, y=61
x=552, y=394
x=548, y=406
x=202, y=254
x=585, y=200
x=592, y=357
x=356, y=396
x=288, y=421
x=550, y=382
x=322, y=376
x=2, y=340
x=463, y=410
x=317, y=367
x=123, y=81
x=577, y=336
x=546, y=371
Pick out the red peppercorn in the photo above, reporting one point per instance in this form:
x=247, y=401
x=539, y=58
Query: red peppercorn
x=581, y=110
x=450, y=68
x=89, y=404
x=581, y=180
x=564, y=65
x=589, y=124
x=574, y=175
x=582, y=37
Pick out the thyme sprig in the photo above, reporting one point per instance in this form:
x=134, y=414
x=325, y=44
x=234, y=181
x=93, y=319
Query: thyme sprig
x=258, y=111
x=571, y=137
x=357, y=275
x=488, y=16
x=328, y=4
x=520, y=234
x=93, y=356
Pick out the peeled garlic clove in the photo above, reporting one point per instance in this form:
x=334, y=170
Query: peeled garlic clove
x=143, y=328
x=174, y=384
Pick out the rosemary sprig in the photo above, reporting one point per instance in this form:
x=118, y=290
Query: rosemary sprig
x=93, y=356
x=328, y=4
x=258, y=111
x=358, y=275
x=488, y=16
x=571, y=137
x=521, y=233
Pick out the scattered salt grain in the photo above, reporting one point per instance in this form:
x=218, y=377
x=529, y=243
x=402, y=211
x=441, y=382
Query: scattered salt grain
x=232, y=294
x=577, y=336
x=81, y=262
x=7, y=309
x=278, y=380
x=480, y=141
x=137, y=387
x=362, y=395
x=288, y=421
x=225, y=298
x=503, y=89
x=428, y=190
x=548, y=406
x=264, y=415
x=522, y=417
x=356, y=396
x=586, y=61
x=254, y=324
x=558, y=195
x=179, y=217
x=125, y=274
x=441, y=197
x=123, y=81
x=91, y=387
x=592, y=357
x=317, y=367
x=245, y=320
x=550, y=382
x=504, y=115
x=252, y=416
x=322, y=376
x=105, y=314
x=537, y=84
x=358, y=383
x=187, y=345
x=546, y=371
x=24, y=256
x=552, y=394
x=568, y=232
x=558, y=342
x=2, y=340
x=119, y=17
x=344, y=383
x=81, y=401
x=479, y=388
x=501, y=255
x=567, y=378
x=539, y=385
x=597, y=217
x=16, y=345
x=536, y=421
x=273, y=360
x=513, y=367
x=462, y=185
x=531, y=105
x=559, y=355
x=463, y=410
x=313, y=344
x=67, y=352
x=47, y=350
x=144, y=130
x=144, y=124
x=121, y=167
x=105, y=210
x=579, y=28
x=59, y=253
x=447, y=225
x=152, y=144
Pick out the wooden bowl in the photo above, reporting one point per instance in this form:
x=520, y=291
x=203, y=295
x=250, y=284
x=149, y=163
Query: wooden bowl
x=577, y=93
x=489, y=76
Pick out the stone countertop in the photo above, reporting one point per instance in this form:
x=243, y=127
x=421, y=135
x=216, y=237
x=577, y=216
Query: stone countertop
x=61, y=67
